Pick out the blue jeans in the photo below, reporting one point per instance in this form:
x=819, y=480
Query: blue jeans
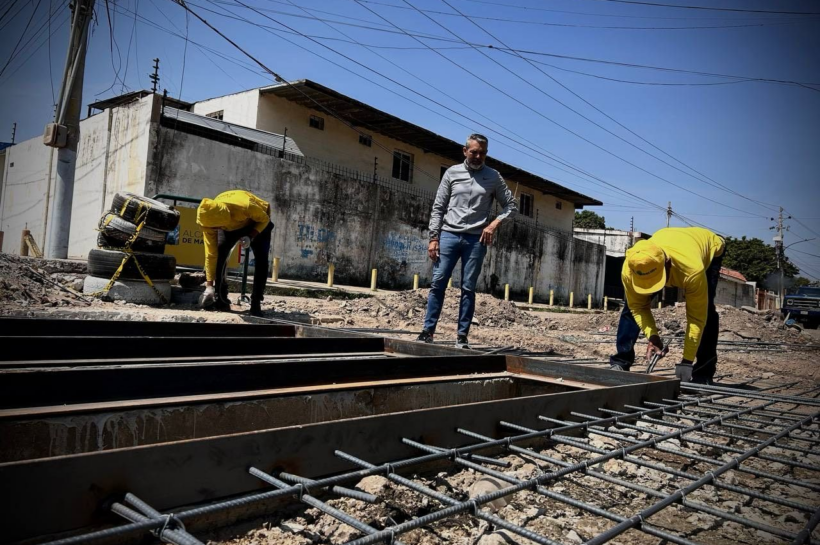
x=706, y=359
x=453, y=247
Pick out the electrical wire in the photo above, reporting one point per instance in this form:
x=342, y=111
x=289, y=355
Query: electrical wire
x=22, y=35
x=50, y=75
x=9, y=75
x=710, y=8
x=588, y=103
x=762, y=23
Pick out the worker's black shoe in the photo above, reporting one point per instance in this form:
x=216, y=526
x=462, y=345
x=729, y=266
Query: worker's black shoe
x=256, y=309
x=462, y=342
x=706, y=381
x=221, y=305
x=425, y=337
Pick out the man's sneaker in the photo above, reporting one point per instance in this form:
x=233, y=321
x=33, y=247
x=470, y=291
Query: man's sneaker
x=462, y=342
x=256, y=309
x=618, y=367
x=425, y=337
x=703, y=380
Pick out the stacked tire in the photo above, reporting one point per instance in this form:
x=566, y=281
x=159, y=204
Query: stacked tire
x=117, y=228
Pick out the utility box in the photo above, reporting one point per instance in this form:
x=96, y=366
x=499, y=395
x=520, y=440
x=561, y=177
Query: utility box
x=55, y=135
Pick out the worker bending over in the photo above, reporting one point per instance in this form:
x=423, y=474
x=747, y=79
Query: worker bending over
x=234, y=216
x=685, y=258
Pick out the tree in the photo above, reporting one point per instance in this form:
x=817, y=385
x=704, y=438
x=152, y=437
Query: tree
x=757, y=261
x=587, y=219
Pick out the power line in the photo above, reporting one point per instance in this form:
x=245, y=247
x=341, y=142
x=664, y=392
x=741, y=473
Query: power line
x=762, y=23
x=279, y=78
x=711, y=8
x=25, y=30
x=588, y=103
x=530, y=8
x=9, y=75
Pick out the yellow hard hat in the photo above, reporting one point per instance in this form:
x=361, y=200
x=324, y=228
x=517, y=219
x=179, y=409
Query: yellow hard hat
x=647, y=262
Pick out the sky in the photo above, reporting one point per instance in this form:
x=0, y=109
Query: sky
x=725, y=125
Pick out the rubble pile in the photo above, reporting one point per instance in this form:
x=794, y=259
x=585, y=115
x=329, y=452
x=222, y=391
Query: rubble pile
x=26, y=283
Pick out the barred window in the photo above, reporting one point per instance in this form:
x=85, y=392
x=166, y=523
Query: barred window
x=317, y=122
x=366, y=140
x=402, y=166
x=559, y=205
x=525, y=205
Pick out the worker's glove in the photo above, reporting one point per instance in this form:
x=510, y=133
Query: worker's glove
x=683, y=371
x=245, y=242
x=208, y=297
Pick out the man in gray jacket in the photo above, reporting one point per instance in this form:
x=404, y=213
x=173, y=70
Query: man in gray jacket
x=460, y=228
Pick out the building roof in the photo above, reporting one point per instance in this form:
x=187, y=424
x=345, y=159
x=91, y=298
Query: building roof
x=127, y=98
x=272, y=140
x=4, y=145
x=308, y=93
x=731, y=273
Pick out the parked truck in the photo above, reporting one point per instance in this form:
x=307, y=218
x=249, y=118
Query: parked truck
x=803, y=306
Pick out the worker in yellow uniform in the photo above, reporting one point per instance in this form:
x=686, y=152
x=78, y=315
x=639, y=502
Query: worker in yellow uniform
x=234, y=216
x=685, y=258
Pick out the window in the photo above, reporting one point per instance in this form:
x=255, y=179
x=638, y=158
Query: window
x=525, y=205
x=317, y=122
x=559, y=205
x=402, y=166
x=443, y=170
x=216, y=115
x=366, y=140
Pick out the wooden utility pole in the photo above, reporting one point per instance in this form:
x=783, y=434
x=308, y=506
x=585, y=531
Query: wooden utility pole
x=64, y=133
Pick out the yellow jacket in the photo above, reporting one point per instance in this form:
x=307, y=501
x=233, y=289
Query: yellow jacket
x=229, y=211
x=691, y=250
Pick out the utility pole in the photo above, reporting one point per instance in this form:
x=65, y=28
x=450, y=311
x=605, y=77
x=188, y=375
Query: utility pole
x=155, y=76
x=13, y=132
x=64, y=133
x=780, y=250
x=668, y=213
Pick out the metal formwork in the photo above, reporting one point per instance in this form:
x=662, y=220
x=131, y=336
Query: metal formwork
x=181, y=489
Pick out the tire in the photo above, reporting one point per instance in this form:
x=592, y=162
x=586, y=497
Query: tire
x=104, y=263
x=158, y=215
x=106, y=242
x=115, y=227
x=131, y=291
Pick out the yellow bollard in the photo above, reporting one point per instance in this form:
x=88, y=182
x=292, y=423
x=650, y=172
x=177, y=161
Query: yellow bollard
x=506, y=292
x=589, y=301
x=373, y=274
x=552, y=295
x=275, y=275
x=660, y=305
x=532, y=292
x=415, y=281
x=450, y=283
x=606, y=303
x=330, y=270
x=571, y=299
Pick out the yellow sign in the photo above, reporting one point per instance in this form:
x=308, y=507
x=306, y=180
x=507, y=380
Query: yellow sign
x=187, y=244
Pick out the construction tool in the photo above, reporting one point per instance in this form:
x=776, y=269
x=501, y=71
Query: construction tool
x=653, y=361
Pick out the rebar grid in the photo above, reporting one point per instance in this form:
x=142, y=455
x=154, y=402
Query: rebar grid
x=654, y=420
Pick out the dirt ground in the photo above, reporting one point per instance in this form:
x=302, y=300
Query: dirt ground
x=792, y=360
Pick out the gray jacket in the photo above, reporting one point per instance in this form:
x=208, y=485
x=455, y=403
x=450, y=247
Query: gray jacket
x=464, y=200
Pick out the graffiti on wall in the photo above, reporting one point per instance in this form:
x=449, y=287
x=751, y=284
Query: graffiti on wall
x=405, y=248
x=313, y=240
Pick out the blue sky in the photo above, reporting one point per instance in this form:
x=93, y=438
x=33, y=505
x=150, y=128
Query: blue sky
x=755, y=138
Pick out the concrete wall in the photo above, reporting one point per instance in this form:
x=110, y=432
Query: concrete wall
x=111, y=157
x=323, y=218
x=340, y=145
x=25, y=192
x=616, y=242
x=734, y=293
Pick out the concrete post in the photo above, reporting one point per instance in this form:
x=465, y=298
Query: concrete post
x=571, y=299
x=373, y=276
x=589, y=301
x=450, y=283
x=532, y=293
x=23, y=243
x=606, y=303
x=415, y=281
x=660, y=305
x=552, y=296
x=506, y=292
x=275, y=275
x=330, y=270
x=1, y=241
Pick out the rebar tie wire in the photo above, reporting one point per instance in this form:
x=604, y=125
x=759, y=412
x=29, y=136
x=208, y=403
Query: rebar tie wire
x=147, y=524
